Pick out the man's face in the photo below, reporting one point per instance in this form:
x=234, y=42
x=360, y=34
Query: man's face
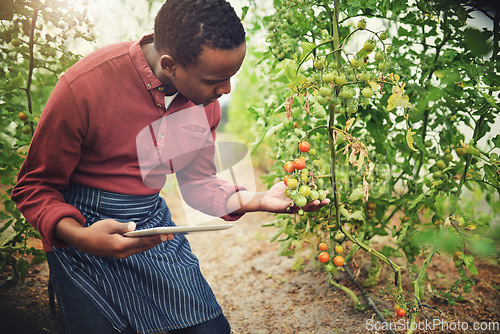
x=209, y=79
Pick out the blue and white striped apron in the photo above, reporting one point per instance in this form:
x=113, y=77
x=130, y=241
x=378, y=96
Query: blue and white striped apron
x=154, y=291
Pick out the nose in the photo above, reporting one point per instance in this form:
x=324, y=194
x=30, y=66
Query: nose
x=223, y=88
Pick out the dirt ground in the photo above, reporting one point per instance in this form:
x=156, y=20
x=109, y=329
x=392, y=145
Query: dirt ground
x=261, y=294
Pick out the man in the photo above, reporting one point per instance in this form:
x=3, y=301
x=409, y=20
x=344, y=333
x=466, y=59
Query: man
x=82, y=187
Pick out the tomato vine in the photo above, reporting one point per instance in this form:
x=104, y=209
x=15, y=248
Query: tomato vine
x=385, y=100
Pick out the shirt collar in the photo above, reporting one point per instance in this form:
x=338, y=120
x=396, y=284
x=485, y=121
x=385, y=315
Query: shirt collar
x=141, y=65
x=144, y=71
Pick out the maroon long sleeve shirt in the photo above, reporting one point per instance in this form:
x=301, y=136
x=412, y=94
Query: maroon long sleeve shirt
x=88, y=132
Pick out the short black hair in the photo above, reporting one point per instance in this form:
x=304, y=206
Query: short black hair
x=183, y=27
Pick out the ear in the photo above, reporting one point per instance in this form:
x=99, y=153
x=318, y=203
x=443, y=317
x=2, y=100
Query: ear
x=167, y=65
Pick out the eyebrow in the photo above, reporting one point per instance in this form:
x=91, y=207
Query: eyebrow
x=215, y=80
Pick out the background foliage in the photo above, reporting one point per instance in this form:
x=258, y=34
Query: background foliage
x=430, y=129
x=34, y=37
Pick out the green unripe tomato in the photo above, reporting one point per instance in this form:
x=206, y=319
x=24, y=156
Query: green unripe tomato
x=379, y=56
x=322, y=195
x=319, y=63
x=323, y=99
x=339, y=109
x=382, y=66
x=320, y=183
x=364, y=76
x=300, y=201
x=312, y=151
x=460, y=151
x=319, y=112
x=383, y=35
x=361, y=24
x=292, y=183
x=369, y=45
x=356, y=62
x=437, y=174
x=328, y=77
x=428, y=143
x=389, y=49
x=335, y=101
x=367, y=92
x=304, y=191
x=441, y=164
x=329, y=267
x=325, y=91
x=351, y=108
x=340, y=79
x=314, y=195
x=346, y=93
x=448, y=157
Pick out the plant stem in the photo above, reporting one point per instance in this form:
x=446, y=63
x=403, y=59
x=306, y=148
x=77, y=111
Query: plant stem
x=346, y=290
x=333, y=178
x=368, y=298
x=31, y=65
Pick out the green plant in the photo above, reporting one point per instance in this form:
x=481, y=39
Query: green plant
x=385, y=110
x=34, y=36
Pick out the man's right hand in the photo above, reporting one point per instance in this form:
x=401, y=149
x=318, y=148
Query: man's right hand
x=105, y=238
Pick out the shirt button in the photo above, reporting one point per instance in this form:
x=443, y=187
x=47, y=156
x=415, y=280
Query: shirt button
x=162, y=135
x=159, y=105
x=161, y=88
x=149, y=85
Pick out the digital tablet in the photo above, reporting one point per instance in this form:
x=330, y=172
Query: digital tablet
x=178, y=230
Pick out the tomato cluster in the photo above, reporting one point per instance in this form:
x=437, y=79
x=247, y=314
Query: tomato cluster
x=346, y=87
x=303, y=184
x=324, y=256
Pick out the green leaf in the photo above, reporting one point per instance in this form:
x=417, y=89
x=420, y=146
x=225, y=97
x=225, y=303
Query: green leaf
x=244, y=12
x=496, y=141
x=476, y=41
x=492, y=175
x=434, y=93
x=306, y=50
x=417, y=200
x=14, y=83
x=491, y=100
x=483, y=246
x=356, y=195
x=290, y=69
x=410, y=140
x=469, y=263
x=356, y=215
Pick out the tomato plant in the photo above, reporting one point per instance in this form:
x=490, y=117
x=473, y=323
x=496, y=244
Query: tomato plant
x=385, y=93
x=34, y=52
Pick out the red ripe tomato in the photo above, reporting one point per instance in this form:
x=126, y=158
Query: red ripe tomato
x=401, y=313
x=323, y=246
x=286, y=179
x=323, y=257
x=299, y=163
x=289, y=167
x=338, y=261
x=304, y=146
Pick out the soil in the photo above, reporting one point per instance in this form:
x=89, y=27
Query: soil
x=260, y=293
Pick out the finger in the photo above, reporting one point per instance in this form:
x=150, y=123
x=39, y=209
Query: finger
x=141, y=244
x=128, y=227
